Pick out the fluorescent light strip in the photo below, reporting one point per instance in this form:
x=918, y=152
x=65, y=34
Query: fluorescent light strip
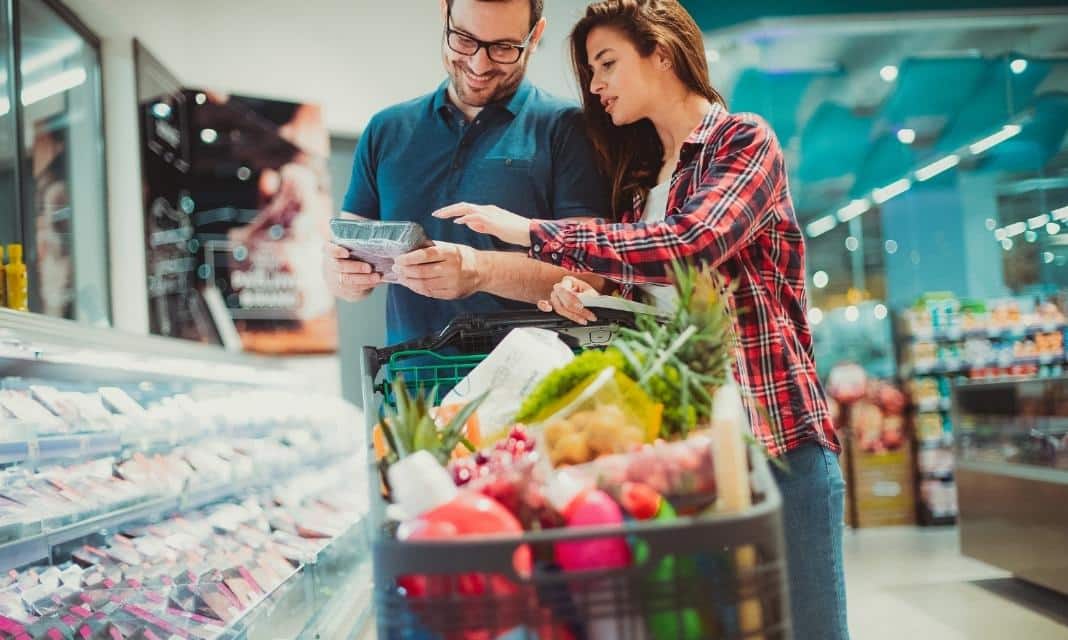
x=821, y=226
x=938, y=166
x=988, y=142
x=891, y=190
x=1060, y=214
x=854, y=209
x=1015, y=229
x=53, y=55
x=1038, y=221
x=56, y=84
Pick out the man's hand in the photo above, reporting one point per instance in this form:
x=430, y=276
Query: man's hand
x=444, y=271
x=345, y=277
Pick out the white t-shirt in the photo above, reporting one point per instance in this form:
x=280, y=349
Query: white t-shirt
x=661, y=296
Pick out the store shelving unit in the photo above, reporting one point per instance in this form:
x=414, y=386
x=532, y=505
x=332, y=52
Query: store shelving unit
x=1012, y=453
x=937, y=355
x=325, y=596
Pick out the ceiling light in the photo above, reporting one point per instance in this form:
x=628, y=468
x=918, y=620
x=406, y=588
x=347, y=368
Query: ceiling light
x=201, y=98
x=888, y=73
x=906, y=136
x=820, y=279
x=891, y=247
x=852, y=243
x=852, y=313
x=854, y=209
x=891, y=190
x=53, y=85
x=1018, y=66
x=815, y=316
x=1053, y=228
x=1015, y=229
x=880, y=311
x=1038, y=221
x=1031, y=236
x=1060, y=214
x=937, y=167
x=209, y=136
x=1000, y=235
x=1047, y=257
x=821, y=226
x=1006, y=244
x=161, y=110
x=991, y=224
x=986, y=143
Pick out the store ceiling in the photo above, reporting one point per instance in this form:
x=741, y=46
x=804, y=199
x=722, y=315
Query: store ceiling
x=839, y=93
x=817, y=80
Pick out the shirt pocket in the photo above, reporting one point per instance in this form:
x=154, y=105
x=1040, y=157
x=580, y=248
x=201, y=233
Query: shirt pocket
x=511, y=183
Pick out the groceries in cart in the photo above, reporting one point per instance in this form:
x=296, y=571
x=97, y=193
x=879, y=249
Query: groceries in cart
x=641, y=442
x=378, y=242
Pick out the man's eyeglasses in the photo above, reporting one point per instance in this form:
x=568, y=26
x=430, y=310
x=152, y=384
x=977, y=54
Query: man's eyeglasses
x=499, y=52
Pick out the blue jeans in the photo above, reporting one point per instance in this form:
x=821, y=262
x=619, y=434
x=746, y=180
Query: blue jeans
x=813, y=493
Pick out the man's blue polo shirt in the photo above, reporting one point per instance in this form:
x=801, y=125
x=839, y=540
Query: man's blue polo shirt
x=528, y=155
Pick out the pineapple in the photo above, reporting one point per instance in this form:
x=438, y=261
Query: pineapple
x=410, y=427
x=680, y=362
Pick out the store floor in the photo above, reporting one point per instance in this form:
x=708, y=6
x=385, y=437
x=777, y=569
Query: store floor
x=911, y=582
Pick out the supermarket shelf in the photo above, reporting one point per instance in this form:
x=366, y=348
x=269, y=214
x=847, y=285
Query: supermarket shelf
x=37, y=346
x=962, y=369
x=34, y=548
x=1001, y=382
x=327, y=598
x=88, y=446
x=990, y=334
x=944, y=476
x=39, y=547
x=945, y=442
x=932, y=405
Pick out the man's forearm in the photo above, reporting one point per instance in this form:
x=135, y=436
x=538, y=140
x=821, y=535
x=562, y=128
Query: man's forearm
x=516, y=276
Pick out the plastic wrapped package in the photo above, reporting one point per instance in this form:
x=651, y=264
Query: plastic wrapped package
x=378, y=242
x=598, y=421
x=682, y=471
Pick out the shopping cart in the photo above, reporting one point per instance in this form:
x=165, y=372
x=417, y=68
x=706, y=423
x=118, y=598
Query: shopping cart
x=725, y=570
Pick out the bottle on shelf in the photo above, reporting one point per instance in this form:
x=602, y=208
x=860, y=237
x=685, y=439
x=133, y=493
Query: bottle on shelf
x=3, y=279
x=15, y=278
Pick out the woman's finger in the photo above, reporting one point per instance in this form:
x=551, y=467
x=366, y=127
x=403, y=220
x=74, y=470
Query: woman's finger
x=567, y=310
x=567, y=297
x=454, y=210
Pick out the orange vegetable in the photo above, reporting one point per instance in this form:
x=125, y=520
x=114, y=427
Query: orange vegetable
x=472, y=429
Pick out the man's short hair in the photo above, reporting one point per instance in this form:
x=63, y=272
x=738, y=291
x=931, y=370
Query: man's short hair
x=536, y=9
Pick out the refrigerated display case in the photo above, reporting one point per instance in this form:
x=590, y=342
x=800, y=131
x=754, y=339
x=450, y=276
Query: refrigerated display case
x=1012, y=470
x=152, y=486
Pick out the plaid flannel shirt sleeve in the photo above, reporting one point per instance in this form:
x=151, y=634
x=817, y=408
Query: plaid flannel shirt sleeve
x=732, y=203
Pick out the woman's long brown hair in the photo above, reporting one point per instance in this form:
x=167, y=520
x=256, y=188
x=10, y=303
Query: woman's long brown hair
x=631, y=155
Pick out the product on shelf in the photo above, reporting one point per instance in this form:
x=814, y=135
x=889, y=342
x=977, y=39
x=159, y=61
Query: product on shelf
x=15, y=275
x=877, y=461
x=190, y=576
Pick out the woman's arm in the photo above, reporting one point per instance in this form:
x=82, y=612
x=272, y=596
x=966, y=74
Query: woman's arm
x=733, y=203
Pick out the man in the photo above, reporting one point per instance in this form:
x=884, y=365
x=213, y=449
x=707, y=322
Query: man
x=486, y=135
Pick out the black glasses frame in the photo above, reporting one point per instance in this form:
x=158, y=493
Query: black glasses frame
x=488, y=46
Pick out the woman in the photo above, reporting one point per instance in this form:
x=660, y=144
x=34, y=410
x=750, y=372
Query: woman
x=692, y=181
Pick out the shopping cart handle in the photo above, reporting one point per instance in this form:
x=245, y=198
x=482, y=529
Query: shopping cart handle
x=482, y=329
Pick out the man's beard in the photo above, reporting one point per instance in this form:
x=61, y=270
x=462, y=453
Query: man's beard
x=506, y=86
